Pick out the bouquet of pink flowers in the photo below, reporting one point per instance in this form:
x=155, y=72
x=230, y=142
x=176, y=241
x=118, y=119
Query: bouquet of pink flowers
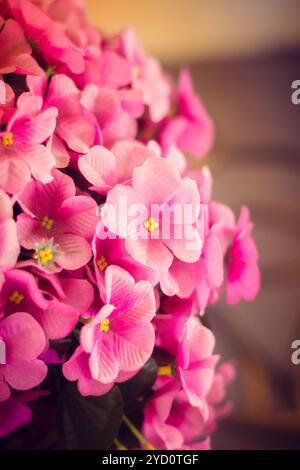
x=111, y=245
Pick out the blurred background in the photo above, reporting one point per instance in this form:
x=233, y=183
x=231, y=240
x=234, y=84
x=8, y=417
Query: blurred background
x=244, y=56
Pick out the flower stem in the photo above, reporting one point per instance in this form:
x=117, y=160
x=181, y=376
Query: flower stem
x=144, y=443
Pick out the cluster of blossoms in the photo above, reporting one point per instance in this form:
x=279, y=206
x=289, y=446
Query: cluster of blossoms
x=108, y=238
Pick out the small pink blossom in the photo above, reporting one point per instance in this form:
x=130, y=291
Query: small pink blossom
x=147, y=76
x=48, y=37
x=191, y=344
x=109, y=250
x=104, y=168
x=20, y=292
x=57, y=220
x=191, y=129
x=116, y=111
x=76, y=129
x=156, y=187
x=195, y=362
x=120, y=338
x=243, y=278
x=15, y=52
x=24, y=340
x=22, y=152
x=170, y=422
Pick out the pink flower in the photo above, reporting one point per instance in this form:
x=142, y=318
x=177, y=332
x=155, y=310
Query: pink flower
x=182, y=335
x=147, y=76
x=108, y=250
x=243, y=278
x=15, y=52
x=9, y=248
x=104, y=168
x=20, y=292
x=76, y=128
x=203, y=277
x=191, y=129
x=170, y=422
x=21, y=151
x=76, y=292
x=116, y=111
x=24, y=341
x=56, y=223
x=195, y=363
x=120, y=338
x=48, y=37
x=153, y=237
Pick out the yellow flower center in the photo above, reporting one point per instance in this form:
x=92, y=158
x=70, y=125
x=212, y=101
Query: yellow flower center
x=102, y=263
x=150, y=224
x=44, y=255
x=165, y=370
x=16, y=297
x=47, y=223
x=50, y=71
x=104, y=325
x=8, y=139
x=135, y=71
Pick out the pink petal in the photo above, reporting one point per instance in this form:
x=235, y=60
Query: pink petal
x=23, y=375
x=77, y=368
x=29, y=231
x=40, y=161
x=77, y=131
x=58, y=320
x=144, y=306
x=44, y=199
x=9, y=247
x=115, y=71
x=129, y=155
x=59, y=151
x=213, y=256
x=23, y=336
x=152, y=253
x=119, y=284
x=38, y=128
x=79, y=293
x=98, y=166
x=187, y=196
x=78, y=215
x=188, y=248
x=74, y=251
x=156, y=180
x=133, y=343
x=103, y=362
x=119, y=214
x=6, y=208
x=14, y=175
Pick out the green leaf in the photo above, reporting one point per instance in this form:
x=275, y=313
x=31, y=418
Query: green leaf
x=89, y=423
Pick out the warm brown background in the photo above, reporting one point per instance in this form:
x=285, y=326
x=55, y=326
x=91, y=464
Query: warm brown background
x=244, y=55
